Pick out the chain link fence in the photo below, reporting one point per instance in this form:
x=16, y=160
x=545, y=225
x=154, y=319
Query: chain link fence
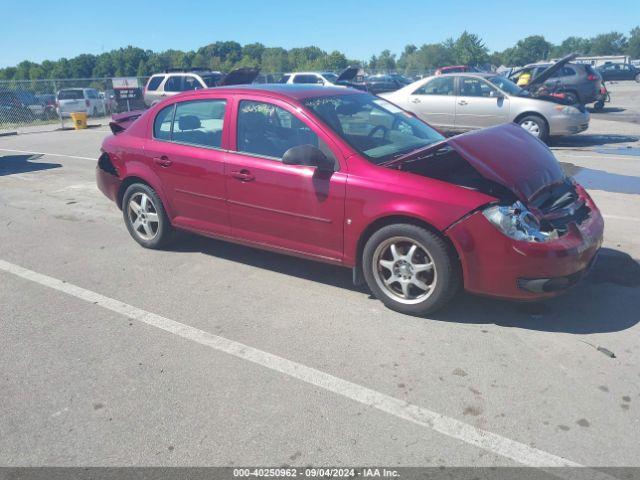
x=27, y=105
x=33, y=105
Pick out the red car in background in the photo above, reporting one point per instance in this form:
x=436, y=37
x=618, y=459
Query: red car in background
x=455, y=69
x=344, y=177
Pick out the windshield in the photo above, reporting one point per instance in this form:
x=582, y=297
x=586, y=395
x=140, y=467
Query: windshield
x=332, y=77
x=506, y=85
x=376, y=128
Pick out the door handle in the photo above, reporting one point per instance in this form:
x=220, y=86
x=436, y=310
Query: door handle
x=163, y=161
x=415, y=100
x=243, y=175
x=462, y=102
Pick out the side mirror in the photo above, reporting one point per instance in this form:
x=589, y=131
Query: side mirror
x=308, y=155
x=496, y=94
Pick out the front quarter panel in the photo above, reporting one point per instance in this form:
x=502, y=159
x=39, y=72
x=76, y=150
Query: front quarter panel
x=385, y=192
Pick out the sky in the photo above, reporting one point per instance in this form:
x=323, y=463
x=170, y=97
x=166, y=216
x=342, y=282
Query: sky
x=47, y=29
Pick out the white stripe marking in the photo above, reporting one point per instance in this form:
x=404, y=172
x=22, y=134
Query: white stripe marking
x=620, y=217
x=492, y=442
x=49, y=154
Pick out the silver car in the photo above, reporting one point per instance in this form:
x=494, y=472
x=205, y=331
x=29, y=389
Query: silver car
x=460, y=102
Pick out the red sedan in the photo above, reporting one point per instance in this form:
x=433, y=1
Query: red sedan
x=344, y=177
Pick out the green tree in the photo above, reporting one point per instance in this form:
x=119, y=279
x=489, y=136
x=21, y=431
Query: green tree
x=611, y=43
x=469, y=49
x=579, y=45
x=633, y=44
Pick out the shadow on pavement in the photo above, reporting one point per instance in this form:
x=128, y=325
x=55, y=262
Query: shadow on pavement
x=12, y=164
x=607, y=300
x=607, y=110
x=591, y=140
x=595, y=179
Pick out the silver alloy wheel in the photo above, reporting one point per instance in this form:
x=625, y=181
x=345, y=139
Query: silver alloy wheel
x=404, y=270
x=532, y=127
x=143, y=216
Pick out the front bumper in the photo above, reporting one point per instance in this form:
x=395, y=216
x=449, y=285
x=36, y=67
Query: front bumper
x=568, y=124
x=496, y=265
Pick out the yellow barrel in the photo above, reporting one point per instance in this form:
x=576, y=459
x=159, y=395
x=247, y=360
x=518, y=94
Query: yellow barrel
x=79, y=120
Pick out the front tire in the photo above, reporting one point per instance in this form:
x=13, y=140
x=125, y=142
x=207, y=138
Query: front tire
x=145, y=217
x=536, y=126
x=638, y=78
x=410, y=269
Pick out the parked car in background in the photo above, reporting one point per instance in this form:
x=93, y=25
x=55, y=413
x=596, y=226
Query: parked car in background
x=579, y=80
x=459, y=102
x=162, y=85
x=455, y=69
x=29, y=100
x=368, y=186
x=349, y=77
x=71, y=100
x=382, y=83
x=12, y=109
x=619, y=71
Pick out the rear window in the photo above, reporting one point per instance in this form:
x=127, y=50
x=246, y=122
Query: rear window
x=70, y=95
x=155, y=82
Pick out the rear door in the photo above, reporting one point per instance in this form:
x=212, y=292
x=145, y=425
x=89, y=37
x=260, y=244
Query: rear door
x=288, y=207
x=434, y=102
x=186, y=152
x=479, y=104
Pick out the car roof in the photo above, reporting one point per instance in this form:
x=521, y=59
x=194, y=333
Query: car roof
x=280, y=90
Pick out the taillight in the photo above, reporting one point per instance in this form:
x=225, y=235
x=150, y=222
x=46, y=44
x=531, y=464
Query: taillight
x=87, y=103
x=592, y=77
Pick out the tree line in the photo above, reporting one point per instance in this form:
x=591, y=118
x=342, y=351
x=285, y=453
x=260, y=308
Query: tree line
x=467, y=49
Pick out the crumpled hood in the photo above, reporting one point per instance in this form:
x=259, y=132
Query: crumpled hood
x=512, y=157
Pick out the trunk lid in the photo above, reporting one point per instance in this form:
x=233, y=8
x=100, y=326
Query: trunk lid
x=550, y=71
x=511, y=157
x=120, y=122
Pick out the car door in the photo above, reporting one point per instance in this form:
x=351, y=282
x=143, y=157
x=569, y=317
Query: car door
x=434, y=102
x=289, y=207
x=479, y=104
x=186, y=153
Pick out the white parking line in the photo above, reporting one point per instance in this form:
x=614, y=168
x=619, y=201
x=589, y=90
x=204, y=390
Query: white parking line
x=620, y=217
x=49, y=154
x=514, y=450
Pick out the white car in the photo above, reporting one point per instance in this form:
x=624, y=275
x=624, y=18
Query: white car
x=73, y=100
x=318, y=78
x=458, y=102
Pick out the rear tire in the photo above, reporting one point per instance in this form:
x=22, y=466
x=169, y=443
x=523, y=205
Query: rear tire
x=145, y=216
x=410, y=269
x=599, y=105
x=536, y=126
x=638, y=78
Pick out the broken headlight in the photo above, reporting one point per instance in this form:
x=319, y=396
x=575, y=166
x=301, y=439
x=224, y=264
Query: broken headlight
x=517, y=222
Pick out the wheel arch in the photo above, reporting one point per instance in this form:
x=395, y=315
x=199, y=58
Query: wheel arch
x=378, y=223
x=528, y=113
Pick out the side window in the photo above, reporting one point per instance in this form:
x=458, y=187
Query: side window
x=199, y=123
x=566, y=72
x=191, y=83
x=173, y=84
x=162, y=123
x=438, y=86
x=155, y=82
x=474, y=87
x=267, y=130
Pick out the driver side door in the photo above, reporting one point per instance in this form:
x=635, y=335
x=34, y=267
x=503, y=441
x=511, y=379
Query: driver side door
x=288, y=207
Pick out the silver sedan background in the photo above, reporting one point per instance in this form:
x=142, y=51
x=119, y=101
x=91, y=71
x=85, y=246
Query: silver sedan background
x=465, y=101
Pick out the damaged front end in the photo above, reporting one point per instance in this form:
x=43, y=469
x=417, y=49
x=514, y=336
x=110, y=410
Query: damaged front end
x=541, y=233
